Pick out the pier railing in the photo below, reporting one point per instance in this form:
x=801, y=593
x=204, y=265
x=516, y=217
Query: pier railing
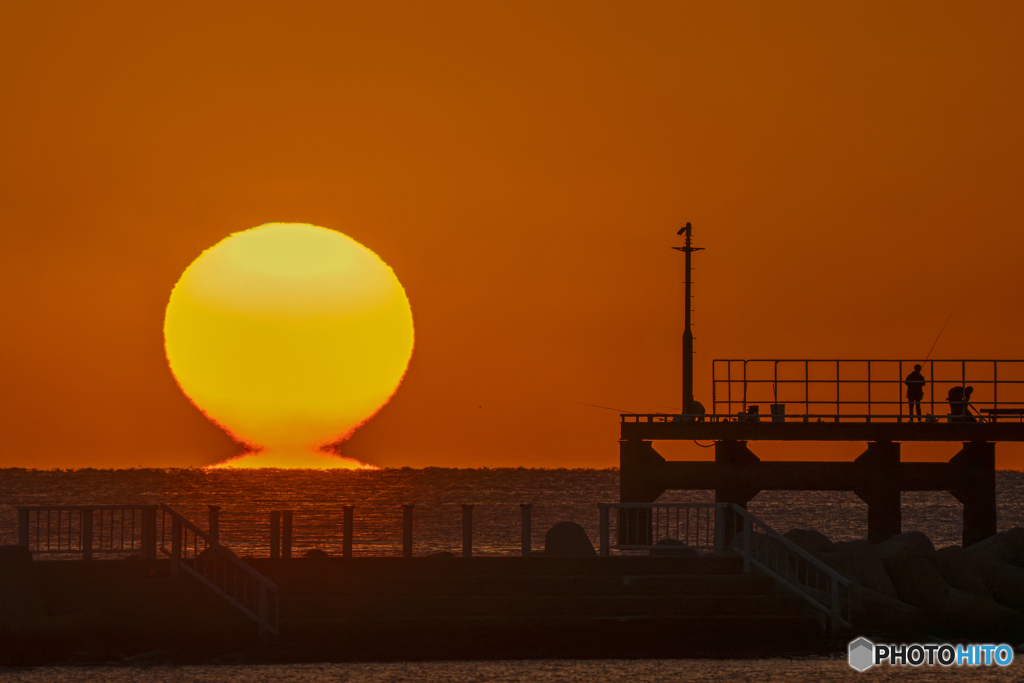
x=862, y=390
x=87, y=530
x=196, y=552
x=791, y=566
x=642, y=526
x=721, y=526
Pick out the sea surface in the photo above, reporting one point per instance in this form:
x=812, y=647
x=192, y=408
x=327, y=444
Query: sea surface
x=317, y=498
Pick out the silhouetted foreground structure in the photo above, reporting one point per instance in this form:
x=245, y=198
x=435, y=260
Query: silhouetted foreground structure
x=424, y=608
x=696, y=592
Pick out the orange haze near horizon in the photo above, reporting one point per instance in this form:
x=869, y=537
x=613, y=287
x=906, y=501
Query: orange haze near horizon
x=854, y=171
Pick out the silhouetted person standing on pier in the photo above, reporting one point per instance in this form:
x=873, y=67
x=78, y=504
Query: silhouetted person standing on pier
x=915, y=391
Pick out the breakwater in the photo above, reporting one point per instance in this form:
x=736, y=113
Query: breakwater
x=396, y=608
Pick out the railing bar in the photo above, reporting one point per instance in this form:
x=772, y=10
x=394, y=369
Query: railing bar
x=931, y=374
x=869, y=391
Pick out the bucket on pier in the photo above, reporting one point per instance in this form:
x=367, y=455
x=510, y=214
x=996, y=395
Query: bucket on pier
x=778, y=412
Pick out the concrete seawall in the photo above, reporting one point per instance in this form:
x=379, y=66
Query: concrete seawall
x=392, y=608
x=396, y=608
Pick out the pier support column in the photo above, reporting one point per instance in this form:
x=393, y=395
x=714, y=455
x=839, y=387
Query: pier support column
x=977, y=461
x=639, y=482
x=640, y=476
x=882, y=495
x=733, y=454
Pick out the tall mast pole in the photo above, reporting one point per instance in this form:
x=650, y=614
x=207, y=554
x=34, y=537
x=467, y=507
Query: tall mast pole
x=688, y=249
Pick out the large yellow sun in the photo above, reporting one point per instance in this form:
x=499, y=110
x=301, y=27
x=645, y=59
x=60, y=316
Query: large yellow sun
x=289, y=336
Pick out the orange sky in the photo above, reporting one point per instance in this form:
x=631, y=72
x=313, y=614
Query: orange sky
x=853, y=169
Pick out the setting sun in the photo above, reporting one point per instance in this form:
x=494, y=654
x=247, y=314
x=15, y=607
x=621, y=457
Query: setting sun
x=289, y=336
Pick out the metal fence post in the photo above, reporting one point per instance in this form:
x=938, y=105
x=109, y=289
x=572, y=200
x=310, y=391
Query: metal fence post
x=275, y=535
x=286, y=534
x=527, y=538
x=605, y=550
x=214, y=523
x=175, y=547
x=467, y=530
x=899, y=418
x=86, y=534
x=407, y=530
x=23, y=539
x=148, y=533
x=346, y=542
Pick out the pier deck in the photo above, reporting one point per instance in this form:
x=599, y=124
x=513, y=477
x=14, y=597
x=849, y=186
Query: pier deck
x=661, y=428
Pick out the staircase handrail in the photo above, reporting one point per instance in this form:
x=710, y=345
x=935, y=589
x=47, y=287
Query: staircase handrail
x=837, y=583
x=261, y=611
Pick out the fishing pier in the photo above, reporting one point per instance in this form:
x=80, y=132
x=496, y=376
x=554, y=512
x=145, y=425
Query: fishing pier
x=830, y=400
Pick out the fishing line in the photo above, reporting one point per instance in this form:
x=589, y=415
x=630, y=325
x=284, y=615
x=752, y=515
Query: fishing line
x=592, y=405
x=940, y=334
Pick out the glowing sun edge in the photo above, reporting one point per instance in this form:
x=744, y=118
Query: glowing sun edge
x=272, y=457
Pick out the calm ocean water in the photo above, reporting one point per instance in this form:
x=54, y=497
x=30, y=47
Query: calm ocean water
x=317, y=497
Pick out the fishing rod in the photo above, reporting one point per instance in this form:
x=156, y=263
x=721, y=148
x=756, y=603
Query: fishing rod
x=940, y=335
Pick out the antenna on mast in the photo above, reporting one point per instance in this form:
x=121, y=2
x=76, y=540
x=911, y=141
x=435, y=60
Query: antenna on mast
x=688, y=402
